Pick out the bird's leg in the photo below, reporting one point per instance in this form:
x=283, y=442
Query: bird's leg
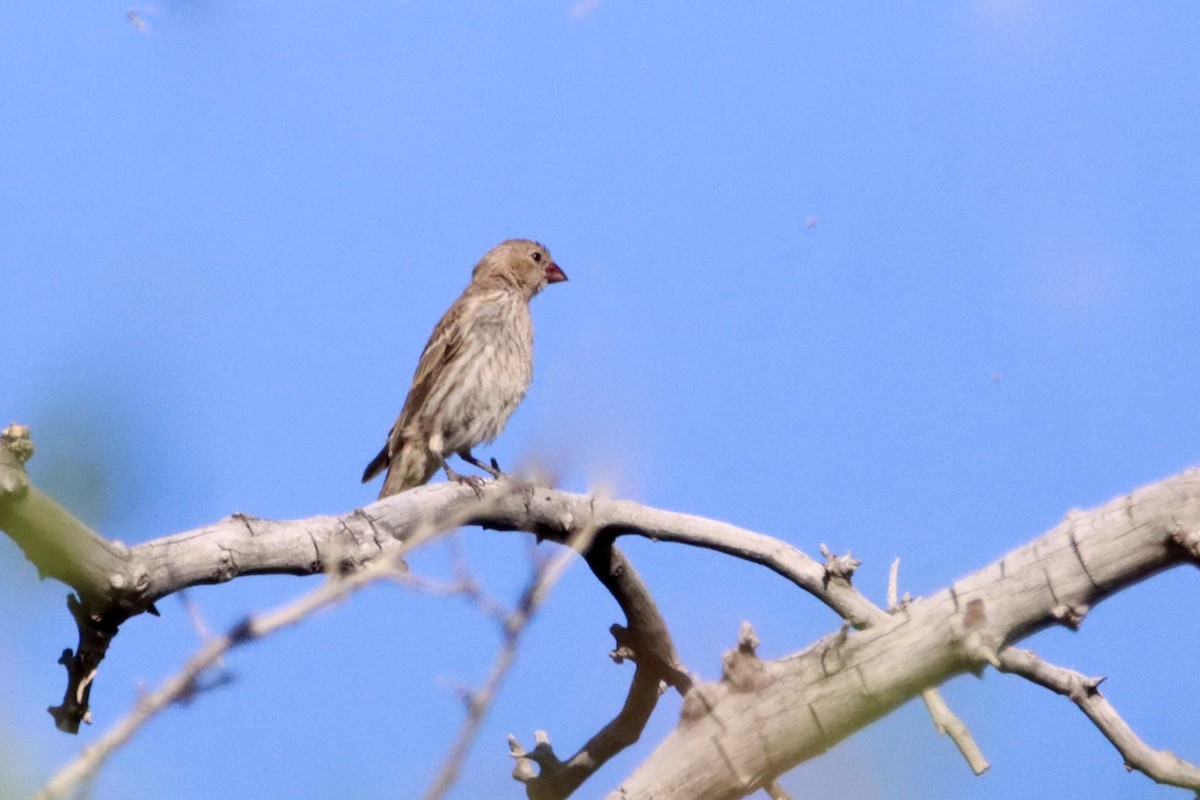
x=493, y=470
x=473, y=481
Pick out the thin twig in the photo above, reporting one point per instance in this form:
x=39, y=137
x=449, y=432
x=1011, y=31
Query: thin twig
x=776, y=792
x=463, y=586
x=192, y=609
x=546, y=574
x=1162, y=766
x=948, y=723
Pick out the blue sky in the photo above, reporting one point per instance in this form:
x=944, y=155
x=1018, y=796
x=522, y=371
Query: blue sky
x=907, y=279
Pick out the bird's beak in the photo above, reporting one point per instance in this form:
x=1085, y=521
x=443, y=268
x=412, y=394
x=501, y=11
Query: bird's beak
x=554, y=274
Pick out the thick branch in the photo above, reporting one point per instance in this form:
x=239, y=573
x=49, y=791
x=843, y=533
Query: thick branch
x=56, y=542
x=115, y=582
x=136, y=576
x=731, y=742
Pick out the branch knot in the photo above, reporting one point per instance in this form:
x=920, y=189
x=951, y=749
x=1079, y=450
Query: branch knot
x=16, y=440
x=742, y=669
x=970, y=632
x=1188, y=540
x=1070, y=615
x=839, y=568
x=17, y=449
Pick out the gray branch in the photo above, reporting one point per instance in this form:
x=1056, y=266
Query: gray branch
x=1162, y=766
x=646, y=641
x=736, y=736
x=763, y=718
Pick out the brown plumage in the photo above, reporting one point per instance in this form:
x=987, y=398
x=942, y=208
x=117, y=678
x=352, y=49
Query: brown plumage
x=474, y=371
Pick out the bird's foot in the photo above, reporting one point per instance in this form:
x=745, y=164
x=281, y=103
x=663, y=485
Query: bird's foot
x=474, y=481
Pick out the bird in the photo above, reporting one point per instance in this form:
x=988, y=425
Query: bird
x=474, y=371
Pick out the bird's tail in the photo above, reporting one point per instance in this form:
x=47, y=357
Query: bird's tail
x=409, y=466
x=376, y=466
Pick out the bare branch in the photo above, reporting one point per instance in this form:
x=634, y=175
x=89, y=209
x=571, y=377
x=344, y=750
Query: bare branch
x=116, y=582
x=848, y=679
x=945, y=720
x=57, y=543
x=645, y=638
x=184, y=684
x=948, y=723
x=646, y=641
x=551, y=514
x=798, y=707
x=345, y=543
x=1162, y=766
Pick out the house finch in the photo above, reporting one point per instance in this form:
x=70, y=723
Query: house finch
x=475, y=369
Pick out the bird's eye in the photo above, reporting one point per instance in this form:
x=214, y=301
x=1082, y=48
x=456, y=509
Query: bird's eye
x=537, y=256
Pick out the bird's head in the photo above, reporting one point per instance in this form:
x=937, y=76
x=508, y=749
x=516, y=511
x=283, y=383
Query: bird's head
x=520, y=263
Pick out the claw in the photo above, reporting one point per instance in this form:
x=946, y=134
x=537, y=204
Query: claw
x=474, y=481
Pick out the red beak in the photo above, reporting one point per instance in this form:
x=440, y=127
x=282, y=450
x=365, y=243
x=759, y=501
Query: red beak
x=554, y=274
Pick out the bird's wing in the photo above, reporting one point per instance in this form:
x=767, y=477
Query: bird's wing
x=443, y=345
